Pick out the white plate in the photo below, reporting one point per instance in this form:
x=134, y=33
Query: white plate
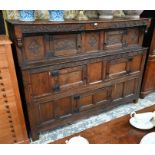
x=140, y=124
x=148, y=139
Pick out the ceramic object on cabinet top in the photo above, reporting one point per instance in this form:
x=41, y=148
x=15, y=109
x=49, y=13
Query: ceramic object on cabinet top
x=105, y=14
x=91, y=14
x=12, y=14
x=118, y=13
x=56, y=15
x=41, y=14
x=132, y=13
x=26, y=15
x=81, y=15
x=70, y=14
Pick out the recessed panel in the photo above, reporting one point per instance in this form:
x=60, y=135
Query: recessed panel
x=95, y=72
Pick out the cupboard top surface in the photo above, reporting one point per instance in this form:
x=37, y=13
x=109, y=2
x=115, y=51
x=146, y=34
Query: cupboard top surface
x=38, y=22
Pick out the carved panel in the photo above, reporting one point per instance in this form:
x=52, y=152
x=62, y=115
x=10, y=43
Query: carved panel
x=33, y=48
x=114, y=39
x=92, y=43
x=65, y=45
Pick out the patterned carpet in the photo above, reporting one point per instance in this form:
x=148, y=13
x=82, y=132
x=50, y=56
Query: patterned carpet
x=84, y=124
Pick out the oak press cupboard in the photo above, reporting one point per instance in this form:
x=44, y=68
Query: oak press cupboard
x=71, y=69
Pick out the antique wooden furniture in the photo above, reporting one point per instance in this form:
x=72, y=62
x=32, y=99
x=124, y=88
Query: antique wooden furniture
x=148, y=85
x=148, y=82
x=117, y=131
x=12, y=123
x=72, y=69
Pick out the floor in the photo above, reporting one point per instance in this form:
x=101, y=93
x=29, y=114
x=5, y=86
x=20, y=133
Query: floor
x=84, y=124
x=117, y=131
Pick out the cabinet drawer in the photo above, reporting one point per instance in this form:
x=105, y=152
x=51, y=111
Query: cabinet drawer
x=57, y=80
x=63, y=79
x=122, y=38
x=124, y=66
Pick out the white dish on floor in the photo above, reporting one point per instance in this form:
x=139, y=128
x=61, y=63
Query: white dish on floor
x=143, y=125
x=148, y=139
x=142, y=120
x=77, y=140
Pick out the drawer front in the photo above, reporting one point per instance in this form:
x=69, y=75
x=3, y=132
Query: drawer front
x=83, y=75
x=122, y=38
x=63, y=44
x=47, y=47
x=114, y=39
x=57, y=80
x=124, y=66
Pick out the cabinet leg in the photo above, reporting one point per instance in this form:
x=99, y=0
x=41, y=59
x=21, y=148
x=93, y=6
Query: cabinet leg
x=135, y=101
x=35, y=136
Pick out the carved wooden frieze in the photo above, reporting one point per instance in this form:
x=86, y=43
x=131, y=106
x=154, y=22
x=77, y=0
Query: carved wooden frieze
x=52, y=28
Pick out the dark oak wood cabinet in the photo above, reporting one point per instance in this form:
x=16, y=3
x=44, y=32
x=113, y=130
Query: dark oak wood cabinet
x=71, y=70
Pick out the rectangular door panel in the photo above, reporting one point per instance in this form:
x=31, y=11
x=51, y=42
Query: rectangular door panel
x=64, y=44
x=117, y=91
x=136, y=63
x=95, y=72
x=130, y=87
x=117, y=68
x=40, y=83
x=132, y=37
x=88, y=100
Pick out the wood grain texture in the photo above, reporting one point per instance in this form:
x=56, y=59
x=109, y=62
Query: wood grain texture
x=72, y=70
x=148, y=85
x=117, y=131
x=12, y=123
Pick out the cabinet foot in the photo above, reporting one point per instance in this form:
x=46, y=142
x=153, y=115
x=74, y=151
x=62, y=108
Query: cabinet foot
x=135, y=101
x=34, y=136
